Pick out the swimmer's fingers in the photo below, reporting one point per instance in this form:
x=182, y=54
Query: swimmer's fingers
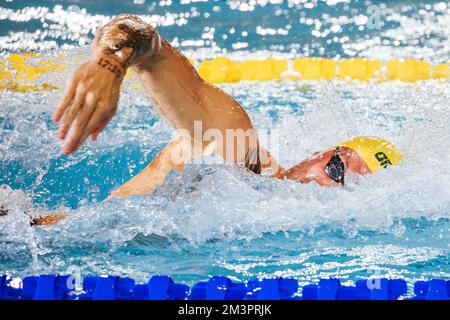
x=80, y=124
x=65, y=101
x=68, y=96
x=98, y=117
x=72, y=111
x=103, y=124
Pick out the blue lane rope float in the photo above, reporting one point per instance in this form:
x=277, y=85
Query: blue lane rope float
x=62, y=287
x=371, y=289
x=436, y=289
x=46, y=287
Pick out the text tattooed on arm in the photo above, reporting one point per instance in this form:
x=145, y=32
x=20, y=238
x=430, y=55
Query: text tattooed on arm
x=104, y=63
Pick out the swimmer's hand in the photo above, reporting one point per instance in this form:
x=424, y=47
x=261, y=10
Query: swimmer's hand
x=90, y=100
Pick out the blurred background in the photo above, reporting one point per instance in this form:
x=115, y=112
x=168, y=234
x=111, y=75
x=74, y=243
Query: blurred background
x=327, y=28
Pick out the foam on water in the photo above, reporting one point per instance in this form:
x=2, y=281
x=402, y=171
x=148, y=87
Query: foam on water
x=216, y=206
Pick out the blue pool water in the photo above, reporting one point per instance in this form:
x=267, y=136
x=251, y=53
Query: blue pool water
x=218, y=219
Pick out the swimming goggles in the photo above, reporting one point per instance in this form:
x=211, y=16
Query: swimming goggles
x=335, y=168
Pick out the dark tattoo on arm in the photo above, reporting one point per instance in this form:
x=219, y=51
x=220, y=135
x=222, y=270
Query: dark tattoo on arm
x=127, y=37
x=104, y=63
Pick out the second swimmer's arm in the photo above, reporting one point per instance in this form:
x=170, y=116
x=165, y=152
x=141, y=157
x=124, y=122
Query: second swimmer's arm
x=48, y=219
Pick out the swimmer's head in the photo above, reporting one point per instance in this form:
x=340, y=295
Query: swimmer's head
x=362, y=155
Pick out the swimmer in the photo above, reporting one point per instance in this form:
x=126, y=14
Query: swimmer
x=183, y=99
x=362, y=155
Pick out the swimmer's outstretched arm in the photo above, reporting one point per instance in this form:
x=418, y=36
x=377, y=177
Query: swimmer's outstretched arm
x=48, y=220
x=180, y=95
x=92, y=94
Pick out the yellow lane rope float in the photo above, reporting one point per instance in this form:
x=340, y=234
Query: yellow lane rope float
x=20, y=72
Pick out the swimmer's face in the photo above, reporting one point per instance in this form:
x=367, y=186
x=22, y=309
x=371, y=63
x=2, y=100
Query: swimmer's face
x=313, y=168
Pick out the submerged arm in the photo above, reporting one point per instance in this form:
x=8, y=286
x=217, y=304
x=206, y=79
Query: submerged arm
x=172, y=157
x=92, y=95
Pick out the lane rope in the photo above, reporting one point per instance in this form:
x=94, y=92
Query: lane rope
x=33, y=72
x=63, y=287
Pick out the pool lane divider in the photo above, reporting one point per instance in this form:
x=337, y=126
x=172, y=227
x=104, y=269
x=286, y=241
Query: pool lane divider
x=33, y=72
x=62, y=287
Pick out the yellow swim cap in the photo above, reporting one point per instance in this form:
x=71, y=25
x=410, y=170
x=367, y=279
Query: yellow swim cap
x=378, y=153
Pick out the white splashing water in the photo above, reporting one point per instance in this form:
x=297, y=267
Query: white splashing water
x=223, y=203
x=250, y=206
x=220, y=219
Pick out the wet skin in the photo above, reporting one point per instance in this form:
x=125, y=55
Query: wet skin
x=181, y=97
x=44, y=220
x=313, y=169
